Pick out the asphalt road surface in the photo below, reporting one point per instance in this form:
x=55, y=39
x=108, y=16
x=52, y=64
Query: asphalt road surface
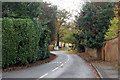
x=64, y=66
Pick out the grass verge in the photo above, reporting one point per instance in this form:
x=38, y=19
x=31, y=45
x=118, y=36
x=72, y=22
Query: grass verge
x=63, y=48
x=72, y=52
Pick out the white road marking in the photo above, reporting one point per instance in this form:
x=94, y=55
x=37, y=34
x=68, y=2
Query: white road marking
x=61, y=65
x=65, y=62
x=44, y=75
x=68, y=58
x=55, y=69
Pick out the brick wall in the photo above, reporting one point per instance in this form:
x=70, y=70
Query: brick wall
x=110, y=50
x=119, y=47
x=91, y=52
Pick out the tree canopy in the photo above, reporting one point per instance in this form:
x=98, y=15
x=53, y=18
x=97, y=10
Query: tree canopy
x=93, y=21
x=21, y=9
x=62, y=17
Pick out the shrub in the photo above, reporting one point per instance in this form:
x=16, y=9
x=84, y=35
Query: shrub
x=23, y=42
x=51, y=48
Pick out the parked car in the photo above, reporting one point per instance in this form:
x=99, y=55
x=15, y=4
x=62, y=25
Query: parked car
x=60, y=46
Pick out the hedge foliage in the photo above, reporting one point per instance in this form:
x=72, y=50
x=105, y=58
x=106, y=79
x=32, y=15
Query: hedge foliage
x=23, y=42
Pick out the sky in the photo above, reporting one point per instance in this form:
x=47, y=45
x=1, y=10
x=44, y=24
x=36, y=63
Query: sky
x=73, y=6
x=70, y=5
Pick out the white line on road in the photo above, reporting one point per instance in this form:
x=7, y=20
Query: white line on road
x=55, y=69
x=68, y=58
x=61, y=65
x=65, y=62
x=44, y=75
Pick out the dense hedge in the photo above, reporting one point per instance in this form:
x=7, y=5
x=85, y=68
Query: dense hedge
x=23, y=42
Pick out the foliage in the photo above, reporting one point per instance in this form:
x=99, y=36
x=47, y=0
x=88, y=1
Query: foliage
x=79, y=40
x=49, y=14
x=63, y=48
x=51, y=48
x=72, y=52
x=113, y=29
x=62, y=17
x=116, y=9
x=69, y=38
x=93, y=21
x=23, y=42
x=65, y=30
x=44, y=12
x=21, y=9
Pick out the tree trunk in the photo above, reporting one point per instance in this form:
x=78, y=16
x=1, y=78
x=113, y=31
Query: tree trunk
x=99, y=53
x=57, y=39
x=64, y=45
x=103, y=53
x=68, y=44
x=61, y=44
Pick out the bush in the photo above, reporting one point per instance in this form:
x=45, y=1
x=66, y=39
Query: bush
x=23, y=42
x=51, y=48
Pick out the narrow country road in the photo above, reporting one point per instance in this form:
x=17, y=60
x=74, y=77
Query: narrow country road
x=64, y=66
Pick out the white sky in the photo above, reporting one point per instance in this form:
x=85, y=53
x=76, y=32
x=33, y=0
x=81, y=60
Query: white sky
x=74, y=5
x=70, y=5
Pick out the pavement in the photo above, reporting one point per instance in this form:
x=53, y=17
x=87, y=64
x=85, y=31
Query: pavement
x=64, y=66
x=106, y=70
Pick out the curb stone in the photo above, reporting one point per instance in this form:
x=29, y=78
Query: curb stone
x=99, y=74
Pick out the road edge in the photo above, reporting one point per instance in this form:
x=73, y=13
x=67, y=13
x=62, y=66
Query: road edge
x=98, y=72
x=39, y=62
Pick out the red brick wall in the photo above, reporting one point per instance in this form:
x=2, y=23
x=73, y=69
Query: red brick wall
x=119, y=48
x=91, y=52
x=111, y=50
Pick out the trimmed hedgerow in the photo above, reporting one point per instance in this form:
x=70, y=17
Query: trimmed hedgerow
x=23, y=42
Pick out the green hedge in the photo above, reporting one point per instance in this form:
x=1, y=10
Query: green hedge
x=23, y=42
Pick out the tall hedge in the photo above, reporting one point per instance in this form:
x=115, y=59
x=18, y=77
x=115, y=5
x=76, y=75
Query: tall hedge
x=23, y=42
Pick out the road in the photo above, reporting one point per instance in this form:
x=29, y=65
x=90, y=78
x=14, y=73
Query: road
x=64, y=66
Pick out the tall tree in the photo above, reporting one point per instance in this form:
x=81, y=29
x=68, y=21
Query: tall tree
x=21, y=9
x=94, y=22
x=49, y=17
x=62, y=17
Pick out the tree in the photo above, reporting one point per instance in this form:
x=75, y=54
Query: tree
x=21, y=9
x=48, y=17
x=62, y=17
x=94, y=22
x=43, y=12
x=69, y=38
x=113, y=29
x=30, y=25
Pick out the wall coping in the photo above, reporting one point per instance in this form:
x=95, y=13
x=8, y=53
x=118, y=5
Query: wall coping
x=112, y=38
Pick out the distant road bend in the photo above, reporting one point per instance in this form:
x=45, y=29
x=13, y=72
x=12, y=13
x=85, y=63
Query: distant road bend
x=64, y=66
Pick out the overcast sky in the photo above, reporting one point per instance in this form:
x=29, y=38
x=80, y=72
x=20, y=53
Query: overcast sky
x=66, y=4
x=70, y=5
